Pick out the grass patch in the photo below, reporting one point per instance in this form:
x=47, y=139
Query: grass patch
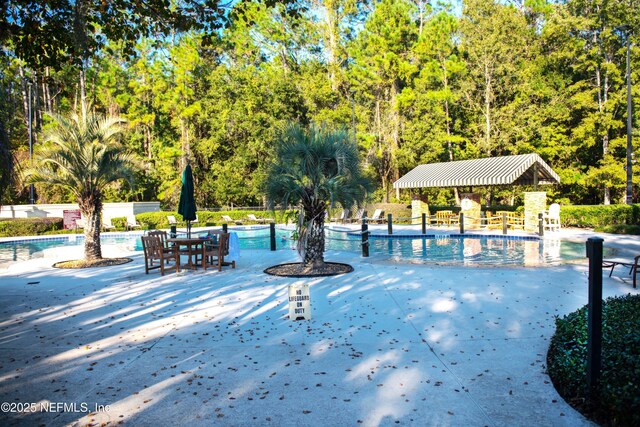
x=81, y=263
x=618, y=403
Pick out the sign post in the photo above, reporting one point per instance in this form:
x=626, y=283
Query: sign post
x=594, y=315
x=299, y=302
x=69, y=218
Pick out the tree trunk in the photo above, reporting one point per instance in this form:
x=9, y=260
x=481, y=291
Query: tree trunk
x=487, y=110
x=314, y=247
x=25, y=95
x=91, y=208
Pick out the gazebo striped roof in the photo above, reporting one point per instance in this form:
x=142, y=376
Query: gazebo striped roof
x=514, y=170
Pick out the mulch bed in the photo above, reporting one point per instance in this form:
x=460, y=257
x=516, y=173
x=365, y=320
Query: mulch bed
x=297, y=269
x=81, y=263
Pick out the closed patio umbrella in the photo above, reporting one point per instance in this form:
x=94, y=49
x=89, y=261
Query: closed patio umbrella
x=187, y=206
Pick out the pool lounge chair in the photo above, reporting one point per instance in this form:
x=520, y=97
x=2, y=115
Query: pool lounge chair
x=107, y=225
x=631, y=265
x=171, y=220
x=377, y=216
x=132, y=223
x=79, y=224
x=358, y=217
x=252, y=217
x=228, y=219
x=343, y=217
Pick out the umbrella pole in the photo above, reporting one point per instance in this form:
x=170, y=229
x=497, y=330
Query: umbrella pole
x=188, y=229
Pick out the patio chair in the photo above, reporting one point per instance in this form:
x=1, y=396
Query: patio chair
x=161, y=234
x=228, y=219
x=79, y=224
x=107, y=225
x=551, y=217
x=631, y=265
x=443, y=217
x=215, y=252
x=132, y=223
x=377, y=216
x=253, y=218
x=195, y=221
x=171, y=220
x=155, y=251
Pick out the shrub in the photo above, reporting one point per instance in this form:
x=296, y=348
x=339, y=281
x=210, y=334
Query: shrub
x=619, y=392
x=158, y=220
x=12, y=227
x=597, y=215
x=119, y=222
x=620, y=229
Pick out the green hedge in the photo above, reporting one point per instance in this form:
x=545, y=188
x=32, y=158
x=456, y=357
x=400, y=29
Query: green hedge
x=632, y=230
x=11, y=227
x=155, y=220
x=619, y=400
x=599, y=215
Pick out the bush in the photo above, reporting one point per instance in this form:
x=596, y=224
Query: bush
x=119, y=222
x=620, y=229
x=598, y=215
x=11, y=227
x=619, y=392
x=158, y=220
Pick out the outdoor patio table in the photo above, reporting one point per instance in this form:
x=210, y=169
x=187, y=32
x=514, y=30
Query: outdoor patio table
x=193, y=248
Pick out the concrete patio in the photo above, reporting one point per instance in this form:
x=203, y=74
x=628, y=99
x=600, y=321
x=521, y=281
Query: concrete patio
x=388, y=344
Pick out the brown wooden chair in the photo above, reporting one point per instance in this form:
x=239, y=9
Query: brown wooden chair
x=154, y=250
x=215, y=252
x=163, y=236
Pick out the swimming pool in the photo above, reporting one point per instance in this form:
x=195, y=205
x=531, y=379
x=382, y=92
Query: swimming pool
x=446, y=249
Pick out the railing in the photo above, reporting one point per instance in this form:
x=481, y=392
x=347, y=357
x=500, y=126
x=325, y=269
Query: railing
x=506, y=221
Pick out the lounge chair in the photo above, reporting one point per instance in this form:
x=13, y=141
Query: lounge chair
x=215, y=252
x=80, y=224
x=551, y=217
x=154, y=250
x=631, y=265
x=358, y=217
x=195, y=221
x=253, y=218
x=228, y=219
x=132, y=223
x=107, y=225
x=377, y=216
x=344, y=216
x=171, y=220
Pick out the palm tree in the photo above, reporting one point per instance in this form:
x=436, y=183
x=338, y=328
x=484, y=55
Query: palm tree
x=315, y=168
x=82, y=153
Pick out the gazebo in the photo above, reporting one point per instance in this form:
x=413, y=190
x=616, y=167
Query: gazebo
x=523, y=169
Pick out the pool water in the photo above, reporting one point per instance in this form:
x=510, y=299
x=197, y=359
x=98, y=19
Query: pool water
x=456, y=249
